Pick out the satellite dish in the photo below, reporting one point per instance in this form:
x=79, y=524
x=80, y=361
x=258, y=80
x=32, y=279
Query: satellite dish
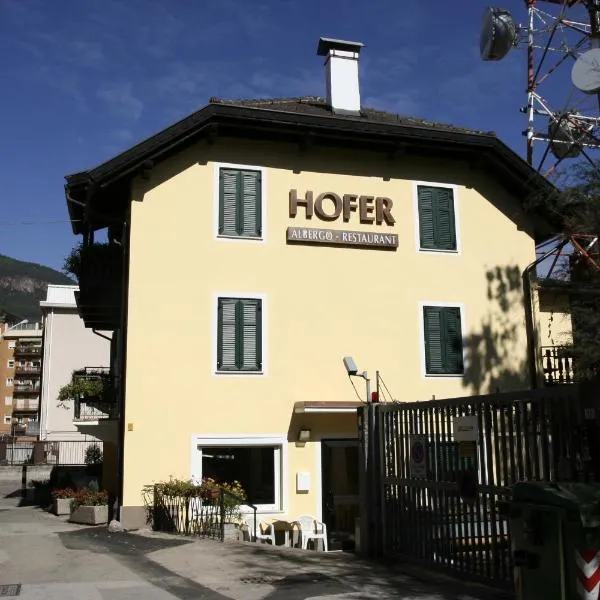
x=498, y=33
x=566, y=136
x=585, y=73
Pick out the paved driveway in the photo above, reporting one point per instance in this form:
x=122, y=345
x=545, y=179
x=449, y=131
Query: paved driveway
x=51, y=560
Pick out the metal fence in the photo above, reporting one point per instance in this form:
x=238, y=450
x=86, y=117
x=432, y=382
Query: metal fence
x=207, y=516
x=59, y=452
x=440, y=500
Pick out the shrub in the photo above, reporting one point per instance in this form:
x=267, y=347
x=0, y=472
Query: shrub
x=93, y=455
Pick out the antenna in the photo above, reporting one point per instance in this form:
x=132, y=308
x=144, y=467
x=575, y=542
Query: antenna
x=562, y=42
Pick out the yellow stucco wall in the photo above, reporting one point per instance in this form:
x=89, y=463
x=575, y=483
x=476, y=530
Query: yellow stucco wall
x=321, y=303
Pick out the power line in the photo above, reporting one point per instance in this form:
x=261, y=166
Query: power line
x=48, y=222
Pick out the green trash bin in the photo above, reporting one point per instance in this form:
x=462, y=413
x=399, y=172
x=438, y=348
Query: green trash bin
x=555, y=538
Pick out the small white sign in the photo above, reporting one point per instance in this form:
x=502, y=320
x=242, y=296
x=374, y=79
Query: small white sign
x=303, y=482
x=418, y=456
x=466, y=429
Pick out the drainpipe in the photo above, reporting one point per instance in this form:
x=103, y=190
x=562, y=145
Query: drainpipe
x=532, y=359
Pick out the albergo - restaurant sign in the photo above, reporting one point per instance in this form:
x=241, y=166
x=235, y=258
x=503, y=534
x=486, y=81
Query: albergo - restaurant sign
x=329, y=206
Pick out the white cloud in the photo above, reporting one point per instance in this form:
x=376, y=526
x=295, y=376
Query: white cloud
x=120, y=99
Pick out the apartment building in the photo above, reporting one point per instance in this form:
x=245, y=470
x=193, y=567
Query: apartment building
x=271, y=238
x=7, y=373
x=23, y=348
x=70, y=350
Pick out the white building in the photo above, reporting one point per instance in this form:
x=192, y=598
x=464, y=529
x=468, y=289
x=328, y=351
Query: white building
x=67, y=347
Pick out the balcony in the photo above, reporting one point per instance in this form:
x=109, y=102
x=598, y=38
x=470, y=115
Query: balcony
x=99, y=270
x=23, y=405
x=86, y=411
x=26, y=388
x=31, y=429
x=557, y=364
x=24, y=349
x=35, y=371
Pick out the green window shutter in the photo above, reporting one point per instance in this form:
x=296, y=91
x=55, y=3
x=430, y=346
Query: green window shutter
x=426, y=217
x=240, y=203
x=226, y=334
x=453, y=360
x=228, y=202
x=250, y=358
x=250, y=225
x=444, y=224
x=434, y=356
x=437, y=228
x=443, y=340
x=239, y=330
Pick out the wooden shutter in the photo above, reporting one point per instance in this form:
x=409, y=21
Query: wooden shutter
x=226, y=334
x=432, y=321
x=453, y=345
x=443, y=340
x=251, y=201
x=239, y=329
x=445, y=230
x=426, y=217
x=240, y=203
x=228, y=202
x=437, y=229
x=250, y=347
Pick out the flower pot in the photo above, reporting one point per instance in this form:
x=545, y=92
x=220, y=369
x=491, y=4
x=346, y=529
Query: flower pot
x=90, y=515
x=62, y=506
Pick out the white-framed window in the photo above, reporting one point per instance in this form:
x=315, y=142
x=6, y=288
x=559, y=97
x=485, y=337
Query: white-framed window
x=239, y=334
x=436, y=217
x=12, y=344
x=10, y=364
x=8, y=400
x=239, y=202
x=7, y=419
x=258, y=463
x=9, y=382
x=442, y=339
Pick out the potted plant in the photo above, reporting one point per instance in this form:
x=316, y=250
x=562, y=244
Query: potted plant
x=62, y=500
x=90, y=507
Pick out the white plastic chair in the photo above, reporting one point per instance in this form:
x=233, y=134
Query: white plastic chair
x=311, y=529
x=269, y=536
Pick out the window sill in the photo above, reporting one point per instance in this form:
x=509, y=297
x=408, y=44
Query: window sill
x=240, y=238
x=239, y=373
x=438, y=251
x=444, y=375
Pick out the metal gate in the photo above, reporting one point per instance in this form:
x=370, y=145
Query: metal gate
x=440, y=500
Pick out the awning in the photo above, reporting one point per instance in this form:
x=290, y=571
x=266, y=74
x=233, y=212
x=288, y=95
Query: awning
x=325, y=406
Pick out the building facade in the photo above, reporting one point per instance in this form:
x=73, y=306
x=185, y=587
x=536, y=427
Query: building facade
x=7, y=374
x=273, y=238
x=68, y=348
x=23, y=347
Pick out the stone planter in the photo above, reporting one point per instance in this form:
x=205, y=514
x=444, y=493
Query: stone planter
x=231, y=532
x=62, y=506
x=90, y=515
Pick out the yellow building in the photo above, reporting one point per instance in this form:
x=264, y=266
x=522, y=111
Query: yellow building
x=255, y=244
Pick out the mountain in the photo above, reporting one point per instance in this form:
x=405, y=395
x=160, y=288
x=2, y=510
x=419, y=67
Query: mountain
x=23, y=285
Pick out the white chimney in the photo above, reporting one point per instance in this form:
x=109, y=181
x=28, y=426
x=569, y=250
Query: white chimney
x=341, y=74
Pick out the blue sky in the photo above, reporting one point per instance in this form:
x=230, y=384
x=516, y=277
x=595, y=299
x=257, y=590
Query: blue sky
x=83, y=80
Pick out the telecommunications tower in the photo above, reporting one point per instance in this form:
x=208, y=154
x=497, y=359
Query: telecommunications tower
x=562, y=39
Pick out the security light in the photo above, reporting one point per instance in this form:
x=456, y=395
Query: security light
x=350, y=365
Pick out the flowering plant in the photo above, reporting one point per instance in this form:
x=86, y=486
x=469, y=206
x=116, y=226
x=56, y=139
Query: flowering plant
x=90, y=497
x=63, y=493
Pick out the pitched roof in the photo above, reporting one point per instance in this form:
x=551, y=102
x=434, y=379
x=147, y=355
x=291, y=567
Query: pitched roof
x=304, y=120
x=317, y=106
